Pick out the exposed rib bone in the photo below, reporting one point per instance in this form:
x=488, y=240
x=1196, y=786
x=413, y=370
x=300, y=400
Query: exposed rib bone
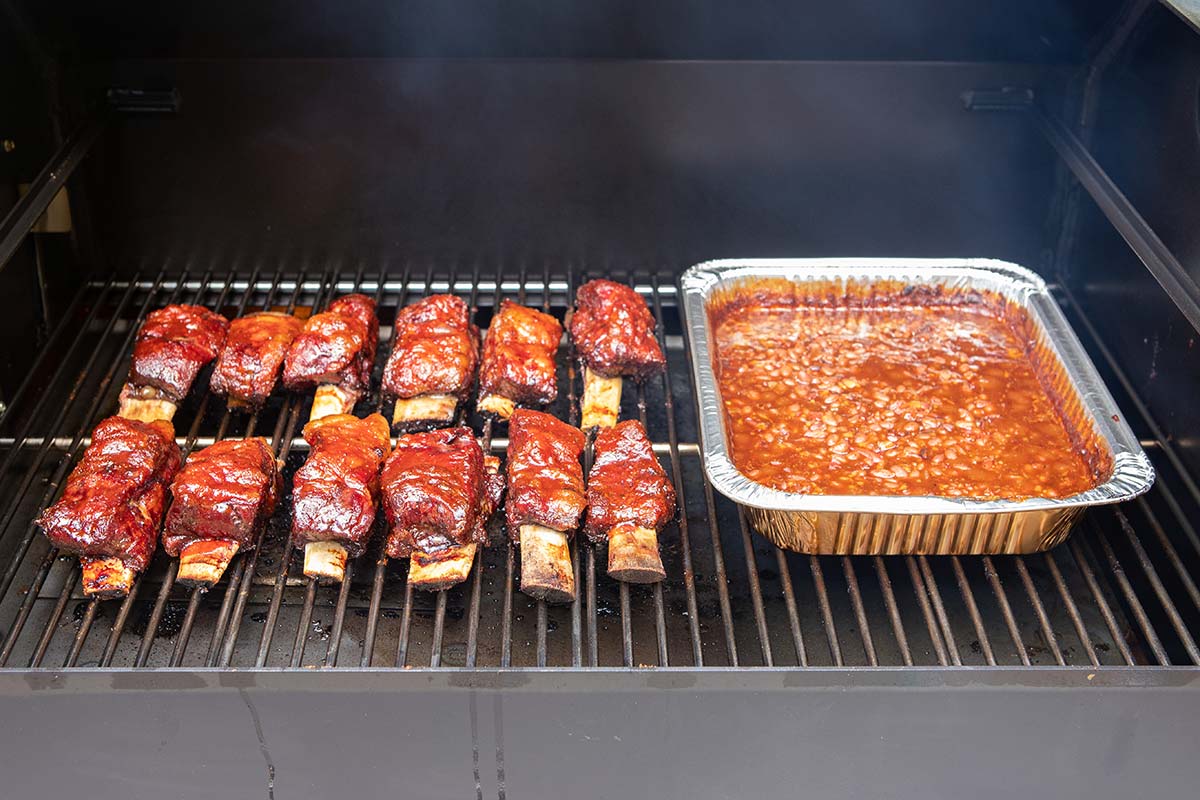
x=601, y=402
x=546, y=571
x=633, y=555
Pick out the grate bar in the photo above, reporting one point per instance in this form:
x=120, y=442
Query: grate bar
x=89, y=616
x=169, y=583
x=968, y=596
x=52, y=624
x=281, y=443
x=756, y=596
x=54, y=489
x=27, y=481
x=310, y=595
x=506, y=620
x=233, y=597
x=1181, y=571
x=1139, y=612
x=1072, y=609
x=593, y=644
x=60, y=332
x=377, y=582
x=1014, y=632
x=21, y=439
x=477, y=578
x=194, y=602
x=860, y=611
x=789, y=598
x=689, y=573
x=831, y=635
x=1040, y=610
x=660, y=619
x=889, y=600
x=1160, y=591
x=939, y=609
x=1089, y=577
x=405, y=624
x=324, y=296
x=935, y=634
x=626, y=625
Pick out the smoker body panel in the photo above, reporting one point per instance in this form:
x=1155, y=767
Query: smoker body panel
x=836, y=733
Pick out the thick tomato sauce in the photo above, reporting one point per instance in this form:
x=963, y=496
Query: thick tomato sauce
x=907, y=393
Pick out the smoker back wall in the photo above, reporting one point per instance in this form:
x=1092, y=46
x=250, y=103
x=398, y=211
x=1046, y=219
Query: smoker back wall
x=600, y=163
x=1036, y=31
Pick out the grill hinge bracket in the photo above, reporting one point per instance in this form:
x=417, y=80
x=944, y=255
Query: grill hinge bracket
x=144, y=101
x=1008, y=98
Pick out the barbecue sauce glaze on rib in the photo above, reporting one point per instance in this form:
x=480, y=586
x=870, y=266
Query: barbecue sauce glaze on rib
x=626, y=485
x=249, y=364
x=885, y=389
x=545, y=479
x=173, y=345
x=613, y=331
x=335, y=347
x=225, y=492
x=437, y=493
x=518, y=355
x=435, y=349
x=114, y=499
x=335, y=491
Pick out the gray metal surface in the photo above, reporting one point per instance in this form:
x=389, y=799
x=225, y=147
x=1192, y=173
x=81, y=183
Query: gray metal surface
x=662, y=734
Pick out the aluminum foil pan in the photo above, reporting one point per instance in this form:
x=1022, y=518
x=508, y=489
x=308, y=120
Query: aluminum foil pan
x=876, y=525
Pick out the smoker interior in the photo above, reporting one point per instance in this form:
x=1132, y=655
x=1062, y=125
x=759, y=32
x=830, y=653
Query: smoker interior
x=295, y=167
x=279, y=153
x=300, y=155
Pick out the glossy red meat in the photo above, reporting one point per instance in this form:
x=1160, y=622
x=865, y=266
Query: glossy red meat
x=249, y=364
x=173, y=345
x=435, y=492
x=113, y=501
x=435, y=349
x=334, y=494
x=335, y=347
x=613, y=331
x=545, y=479
x=626, y=484
x=227, y=491
x=518, y=355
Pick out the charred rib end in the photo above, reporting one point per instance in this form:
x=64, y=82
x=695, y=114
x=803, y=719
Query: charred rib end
x=633, y=555
x=425, y=410
x=330, y=400
x=325, y=561
x=433, y=573
x=203, y=563
x=105, y=577
x=546, y=571
x=495, y=404
x=601, y=400
x=145, y=404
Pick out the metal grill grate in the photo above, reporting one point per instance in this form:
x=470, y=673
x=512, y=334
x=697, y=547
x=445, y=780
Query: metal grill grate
x=1120, y=592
